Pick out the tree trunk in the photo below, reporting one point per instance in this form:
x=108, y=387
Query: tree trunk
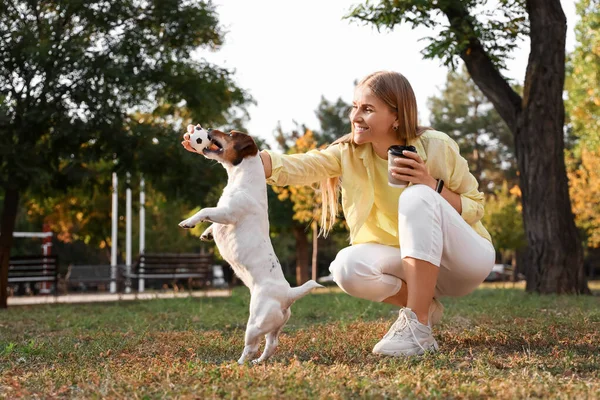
x=555, y=254
x=9, y=216
x=301, y=255
x=554, y=261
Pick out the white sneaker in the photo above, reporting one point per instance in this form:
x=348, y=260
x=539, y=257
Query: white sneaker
x=436, y=310
x=406, y=337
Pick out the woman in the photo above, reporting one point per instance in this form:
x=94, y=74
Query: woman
x=409, y=246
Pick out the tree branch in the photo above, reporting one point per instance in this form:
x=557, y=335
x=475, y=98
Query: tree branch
x=481, y=68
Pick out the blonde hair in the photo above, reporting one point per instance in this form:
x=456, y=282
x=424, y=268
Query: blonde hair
x=394, y=90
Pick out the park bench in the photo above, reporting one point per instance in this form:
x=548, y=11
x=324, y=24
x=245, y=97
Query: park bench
x=193, y=268
x=24, y=270
x=85, y=277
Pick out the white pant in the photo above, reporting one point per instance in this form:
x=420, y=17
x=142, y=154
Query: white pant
x=430, y=229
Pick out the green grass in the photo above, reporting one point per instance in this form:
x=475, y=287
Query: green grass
x=498, y=342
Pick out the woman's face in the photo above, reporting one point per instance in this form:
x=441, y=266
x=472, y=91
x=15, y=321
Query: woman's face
x=371, y=118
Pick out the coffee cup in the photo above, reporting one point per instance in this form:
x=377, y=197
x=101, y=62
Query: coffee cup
x=393, y=153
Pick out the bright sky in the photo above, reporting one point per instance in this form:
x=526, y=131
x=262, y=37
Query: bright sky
x=287, y=54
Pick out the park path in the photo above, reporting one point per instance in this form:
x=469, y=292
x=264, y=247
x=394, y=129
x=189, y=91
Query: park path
x=105, y=297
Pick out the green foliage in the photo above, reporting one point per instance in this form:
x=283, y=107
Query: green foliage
x=504, y=221
x=497, y=28
x=72, y=71
x=89, y=88
x=466, y=115
x=81, y=221
x=334, y=121
x=583, y=116
x=334, y=118
x=584, y=190
x=583, y=78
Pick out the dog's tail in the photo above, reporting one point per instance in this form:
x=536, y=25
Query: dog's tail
x=301, y=291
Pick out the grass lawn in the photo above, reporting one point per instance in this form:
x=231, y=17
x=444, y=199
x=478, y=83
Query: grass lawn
x=498, y=342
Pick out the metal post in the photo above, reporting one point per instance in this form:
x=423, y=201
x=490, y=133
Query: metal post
x=115, y=225
x=46, y=244
x=128, y=230
x=142, y=232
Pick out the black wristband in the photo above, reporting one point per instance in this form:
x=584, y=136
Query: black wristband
x=439, y=186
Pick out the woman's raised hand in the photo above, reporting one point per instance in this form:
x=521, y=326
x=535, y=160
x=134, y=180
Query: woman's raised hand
x=186, y=139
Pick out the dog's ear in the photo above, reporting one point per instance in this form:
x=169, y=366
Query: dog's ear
x=244, y=146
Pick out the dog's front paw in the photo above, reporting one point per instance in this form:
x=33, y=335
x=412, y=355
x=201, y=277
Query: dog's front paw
x=207, y=237
x=187, y=224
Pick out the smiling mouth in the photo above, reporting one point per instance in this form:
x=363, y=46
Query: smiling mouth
x=215, y=146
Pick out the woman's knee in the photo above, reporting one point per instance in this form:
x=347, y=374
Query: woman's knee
x=343, y=271
x=359, y=278
x=414, y=198
x=349, y=274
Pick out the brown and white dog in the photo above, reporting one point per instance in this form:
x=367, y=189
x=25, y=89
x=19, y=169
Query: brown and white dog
x=240, y=228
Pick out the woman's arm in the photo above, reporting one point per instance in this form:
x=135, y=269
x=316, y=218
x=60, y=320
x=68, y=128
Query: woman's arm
x=302, y=168
x=267, y=165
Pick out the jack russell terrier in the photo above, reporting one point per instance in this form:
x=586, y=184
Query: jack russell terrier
x=240, y=228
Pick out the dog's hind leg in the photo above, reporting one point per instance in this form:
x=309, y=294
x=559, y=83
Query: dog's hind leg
x=273, y=339
x=252, y=341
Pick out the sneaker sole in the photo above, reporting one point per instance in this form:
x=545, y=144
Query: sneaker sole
x=430, y=348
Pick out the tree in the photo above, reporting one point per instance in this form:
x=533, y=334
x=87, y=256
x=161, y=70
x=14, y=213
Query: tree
x=334, y=118
x=584, y=182
x=583, y=114
x=70, y=76
x=483, y=40
x=465, y=114
x=583, y=78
